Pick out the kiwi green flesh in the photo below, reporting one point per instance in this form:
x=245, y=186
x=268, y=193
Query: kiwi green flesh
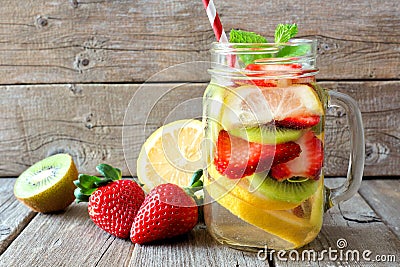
x=42, y=175
x=48, y=186
x=264, y=134
x=282, y=190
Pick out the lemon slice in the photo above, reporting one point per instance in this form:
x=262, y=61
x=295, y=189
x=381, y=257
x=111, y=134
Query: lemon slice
x=245, y=106
x=280, y=223
x=171, y=154
x=292, y=101
x=251, y=105
x=242, y=189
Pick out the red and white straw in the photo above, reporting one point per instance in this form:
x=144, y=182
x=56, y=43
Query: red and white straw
x=215, y=21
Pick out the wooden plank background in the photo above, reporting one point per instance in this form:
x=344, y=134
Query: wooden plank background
x=69, y=68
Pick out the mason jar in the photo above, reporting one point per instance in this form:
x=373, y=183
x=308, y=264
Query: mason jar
x=264, y=117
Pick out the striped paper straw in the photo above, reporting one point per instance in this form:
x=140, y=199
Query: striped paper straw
x=215, y=21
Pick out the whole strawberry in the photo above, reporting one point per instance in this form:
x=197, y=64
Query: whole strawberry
x=167, y=211
x=113, y=203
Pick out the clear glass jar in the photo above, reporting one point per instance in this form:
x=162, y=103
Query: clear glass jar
x=264, y=119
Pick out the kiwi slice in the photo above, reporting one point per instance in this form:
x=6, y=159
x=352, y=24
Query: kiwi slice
x=293, y=192
x=47, y=186
x=267, y=134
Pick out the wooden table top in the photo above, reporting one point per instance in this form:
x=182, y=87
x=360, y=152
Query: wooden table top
x=369, y=221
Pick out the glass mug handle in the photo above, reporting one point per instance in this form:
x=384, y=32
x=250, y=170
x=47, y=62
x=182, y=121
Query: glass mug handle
x=333, y=196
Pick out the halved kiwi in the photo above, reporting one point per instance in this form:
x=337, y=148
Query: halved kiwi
x=293, y=192
x=267, y=134
x=47, y=186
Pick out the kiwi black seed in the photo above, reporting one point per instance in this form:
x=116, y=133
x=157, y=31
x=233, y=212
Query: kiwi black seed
x=293, y=192
x=47, y=186
x=267, y=134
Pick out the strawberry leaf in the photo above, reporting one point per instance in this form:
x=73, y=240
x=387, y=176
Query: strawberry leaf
x=86, y=181
x=109, y=171
x=196, y=177
x=79, y=196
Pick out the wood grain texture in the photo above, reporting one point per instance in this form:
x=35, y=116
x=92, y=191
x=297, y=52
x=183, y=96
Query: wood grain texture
x=384, y=197
x=14, y=216
x=125, y=41
x=65, y=239
x=361, y=228
x=70, y=238
x=87, y=122
x=196, y=249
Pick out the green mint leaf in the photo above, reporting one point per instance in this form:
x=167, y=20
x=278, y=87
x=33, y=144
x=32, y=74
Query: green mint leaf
x=284, y=32
x=239, y=36
x=293, y=51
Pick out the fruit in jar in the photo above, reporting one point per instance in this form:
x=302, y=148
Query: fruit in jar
x=308, y=164
x=245, y=106
x=237, y=158
x=250, y=105
x=298, y=100
x=242, y=189
x=290, y=191
x=275, y=222
x=267, y=134
x=299, y=122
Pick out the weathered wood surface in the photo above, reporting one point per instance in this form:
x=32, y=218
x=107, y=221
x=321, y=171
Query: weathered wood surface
x=384, y=197
x=14, y=216
x=71, y=239
x=362, y=229
x=123, y=41
x=87, y=122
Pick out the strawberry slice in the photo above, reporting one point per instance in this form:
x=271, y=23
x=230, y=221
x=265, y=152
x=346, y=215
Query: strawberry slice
x=308, y=164
x=299, y=122
x=286, y=152
x=268, y=70
x=237, y=158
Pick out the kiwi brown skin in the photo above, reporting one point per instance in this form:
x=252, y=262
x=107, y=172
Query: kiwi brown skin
x=56, y=198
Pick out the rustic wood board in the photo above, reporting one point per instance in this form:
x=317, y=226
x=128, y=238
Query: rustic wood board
x=384, y=197
x=86, y=121
x=65, y=239
x=124, y=41
x=70, y=238
x=360, y=227
x=14, y=216
x=197, y=249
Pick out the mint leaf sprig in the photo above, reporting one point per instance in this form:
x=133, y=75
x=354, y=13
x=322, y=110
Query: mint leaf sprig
x=283, y=33
x=239, y=36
